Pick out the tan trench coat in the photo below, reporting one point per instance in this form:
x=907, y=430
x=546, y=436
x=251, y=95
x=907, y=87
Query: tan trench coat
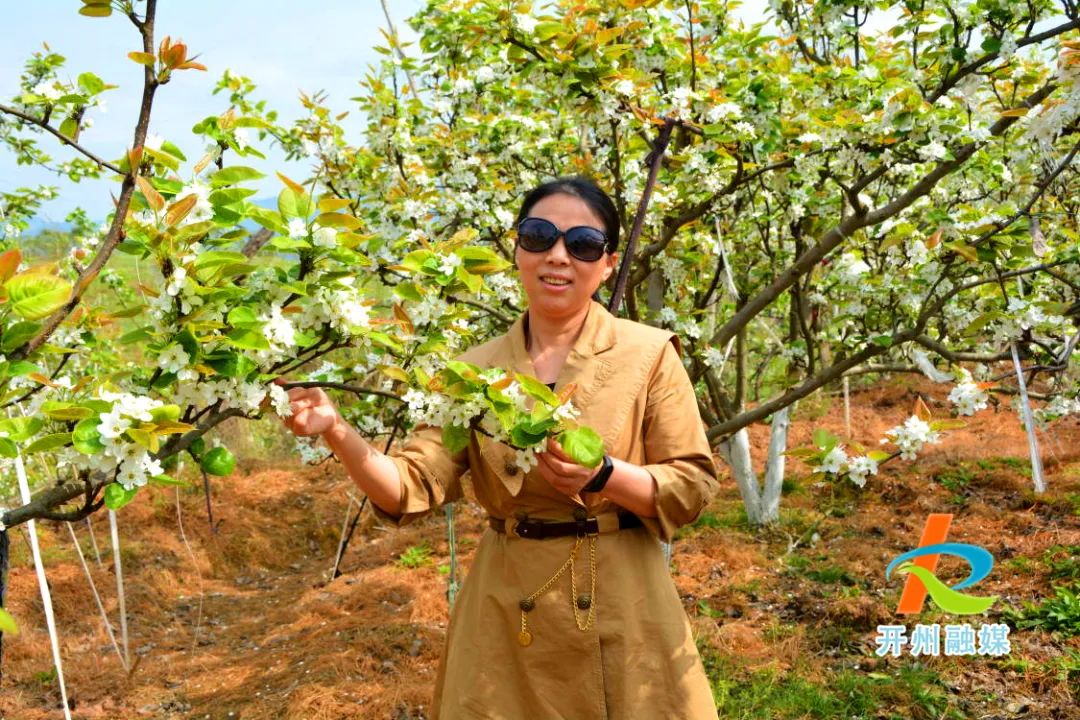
x=638, y=660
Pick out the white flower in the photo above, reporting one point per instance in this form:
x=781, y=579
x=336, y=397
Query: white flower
x=173, y=359
x=112, y=425
x=911, y=436
x=861, y=467
x=566, y=411
x=241, y=138
x=449, y=263
x=723, y=111
x=279, y=329
x=526, y=22
x=324, y=237
x=745, y=129
x=280, y=398
x=833, y=461
x=625, y=87
x=933, y=151
x=484, y=74
x=526, y=459
x=48, y=89
x=967, y=396
x=176, y=281
x=713, y=358
x=809, y=137
x=154, y=142
x=668, y=316
x=297, y=228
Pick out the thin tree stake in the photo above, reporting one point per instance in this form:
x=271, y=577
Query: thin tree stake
x=118, y=567
x=5, y=547
x=452, y=584
x=194, y=562
x=209, y=507
x=1029, y=424
x=344, y=544
x=93, y=543
x=341, y=538
x=43, y=585
x=847, y=407
x=97, y=597
x=655, y=159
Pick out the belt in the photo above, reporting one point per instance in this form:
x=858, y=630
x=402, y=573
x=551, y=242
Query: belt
x=541, y=529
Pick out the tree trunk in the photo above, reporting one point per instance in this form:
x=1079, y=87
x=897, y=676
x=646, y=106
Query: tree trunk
x=762, y=503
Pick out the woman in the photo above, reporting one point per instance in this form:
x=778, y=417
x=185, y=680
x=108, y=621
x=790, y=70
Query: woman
x=569, y=610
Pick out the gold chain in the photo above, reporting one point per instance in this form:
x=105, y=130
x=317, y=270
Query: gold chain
x=529, y=603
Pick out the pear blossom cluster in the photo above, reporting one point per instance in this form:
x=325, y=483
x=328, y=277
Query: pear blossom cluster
x=967, y=396
x=911, y=436
x=858, y=468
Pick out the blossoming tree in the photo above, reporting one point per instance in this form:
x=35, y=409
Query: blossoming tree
x=832, y=203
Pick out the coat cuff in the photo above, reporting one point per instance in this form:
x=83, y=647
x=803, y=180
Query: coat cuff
x=680, y=498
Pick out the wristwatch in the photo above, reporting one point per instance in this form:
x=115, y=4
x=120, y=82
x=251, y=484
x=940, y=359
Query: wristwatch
x=602, y=476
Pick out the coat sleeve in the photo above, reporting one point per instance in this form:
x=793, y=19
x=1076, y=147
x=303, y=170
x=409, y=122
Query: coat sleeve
x=677, y=453
x=430, y=475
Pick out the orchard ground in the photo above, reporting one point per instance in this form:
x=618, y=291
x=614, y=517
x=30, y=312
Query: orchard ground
x=249, y=627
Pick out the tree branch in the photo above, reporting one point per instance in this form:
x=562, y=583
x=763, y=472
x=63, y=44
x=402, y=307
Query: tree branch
x=63, y=138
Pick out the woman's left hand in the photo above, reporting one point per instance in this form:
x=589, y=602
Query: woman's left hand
x=561, y=472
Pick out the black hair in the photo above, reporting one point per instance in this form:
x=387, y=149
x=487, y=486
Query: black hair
x=585, y=189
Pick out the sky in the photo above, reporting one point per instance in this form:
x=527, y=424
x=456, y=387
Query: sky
x=284, y=46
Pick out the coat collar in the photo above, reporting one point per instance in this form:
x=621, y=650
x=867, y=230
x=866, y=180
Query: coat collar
x=595, y=337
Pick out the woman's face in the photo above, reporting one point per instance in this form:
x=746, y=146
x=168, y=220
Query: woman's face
x=558, y=285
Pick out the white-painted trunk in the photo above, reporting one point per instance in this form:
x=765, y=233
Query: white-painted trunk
x=774, y=466
x=736, y=451
x=762, y=502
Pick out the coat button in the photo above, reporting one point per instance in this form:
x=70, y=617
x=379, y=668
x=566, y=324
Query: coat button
x=527, y=605
x=584, y=602
x=580, y=514
x=511, y=468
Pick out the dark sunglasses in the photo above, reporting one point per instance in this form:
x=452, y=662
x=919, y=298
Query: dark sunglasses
x=583, y=242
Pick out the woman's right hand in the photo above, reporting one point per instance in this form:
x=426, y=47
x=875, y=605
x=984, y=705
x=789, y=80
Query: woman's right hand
x=313, y=412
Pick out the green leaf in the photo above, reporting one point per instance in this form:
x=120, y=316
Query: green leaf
x=21, y=428
x=7, y=623
x=546, y=30
x=90, y=83
x=455, y=438
x=248, y=339
x=117, y=496
x=293, y=204
x=35, y=295
x=49, y=442
x=233, y=175
x=19, y=368
x=584, y=446
x=64, y=411
x=95, y=11
x=165, y=413
x=521, y=435
x=18, y=334
x=8, y=449
x=536, y=389
x=86, y=437
x=824, y=439
x=231, y=365
x=167, y=481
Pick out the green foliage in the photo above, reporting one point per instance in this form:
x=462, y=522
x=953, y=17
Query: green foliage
x=415, y=556
x=911, y=691
x=1058, y=614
